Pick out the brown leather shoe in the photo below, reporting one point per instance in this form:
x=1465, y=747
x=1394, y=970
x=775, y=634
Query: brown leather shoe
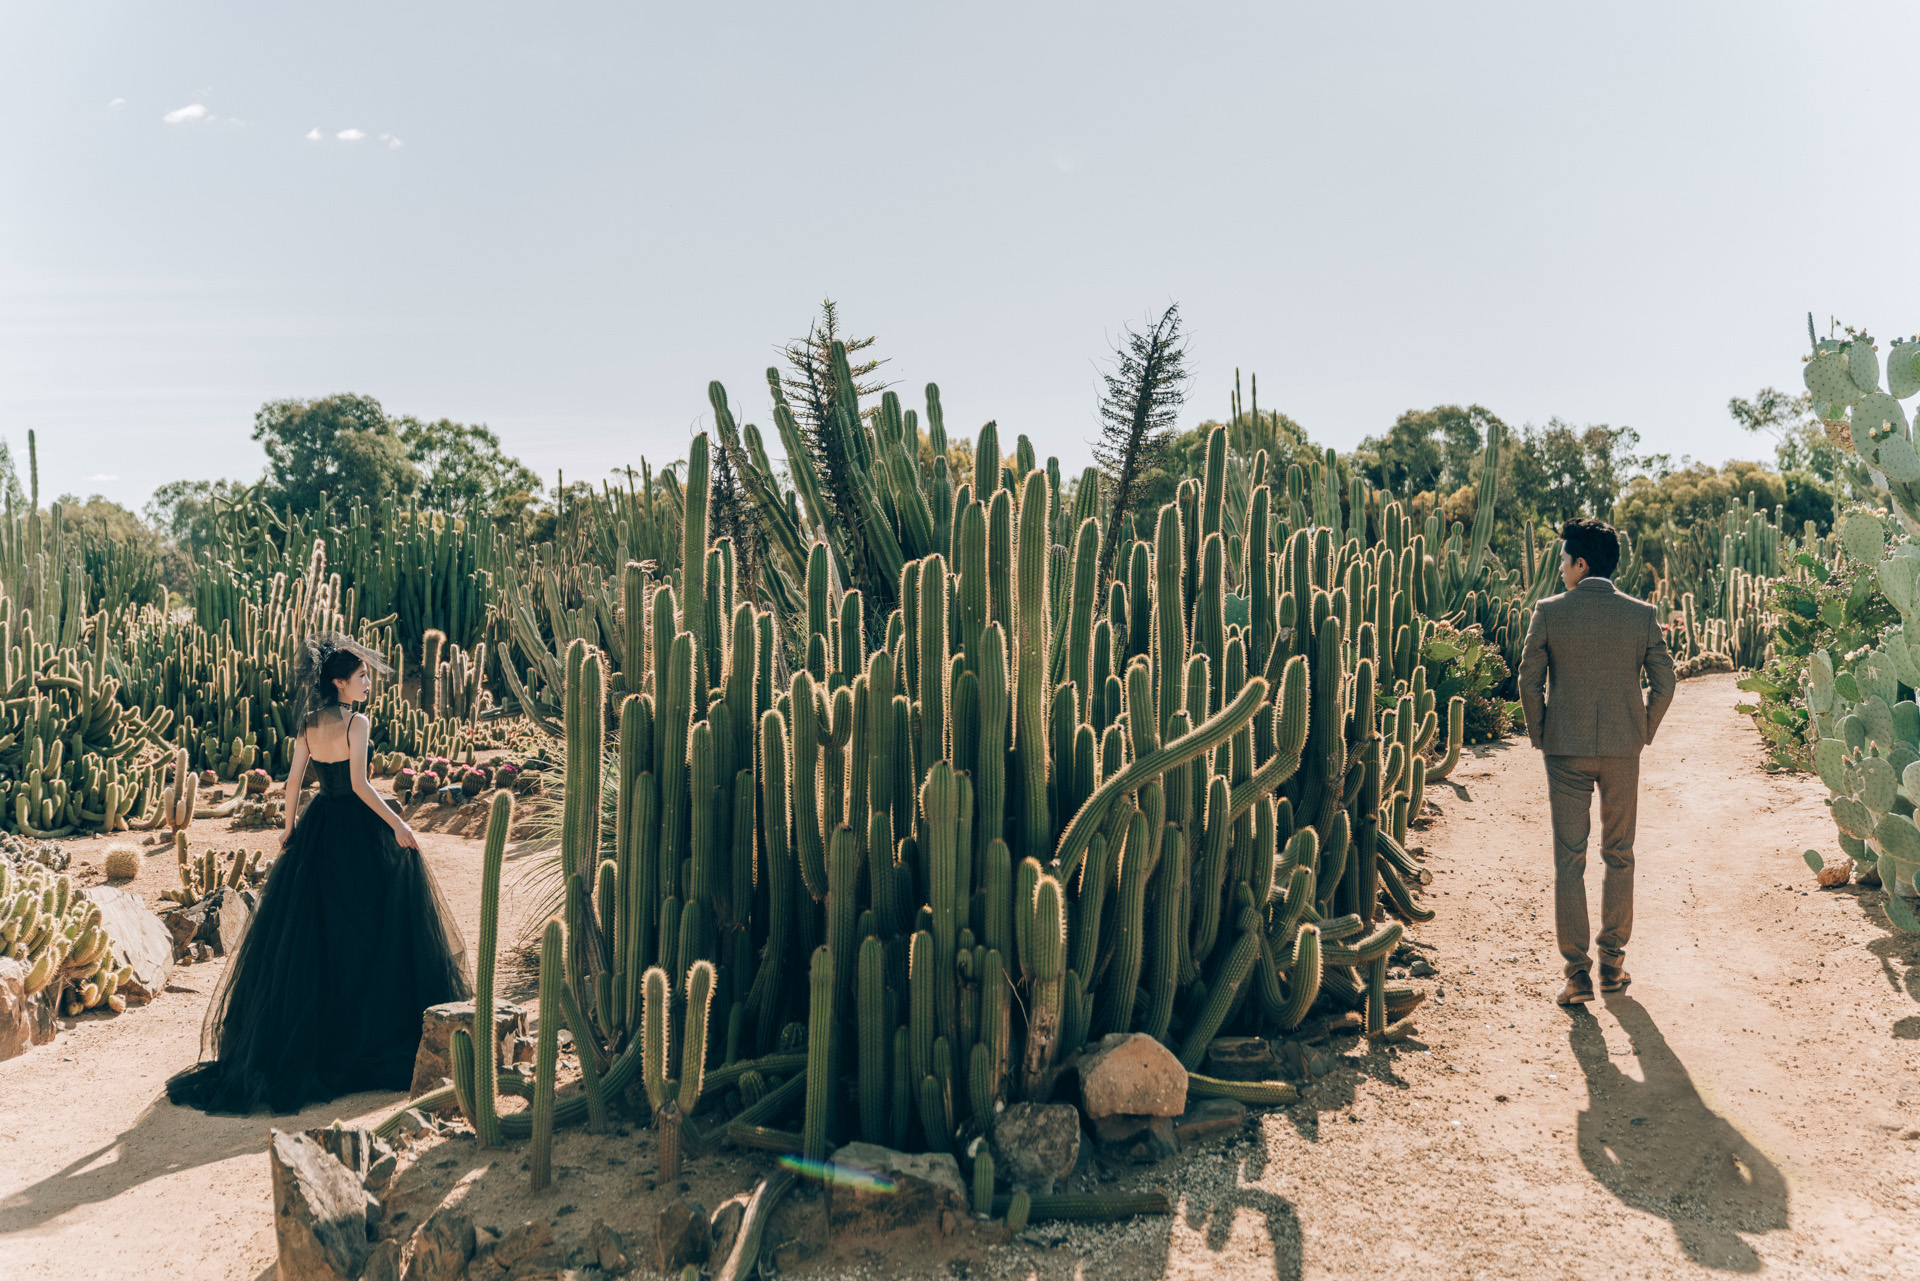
x=1614, y=978
x=1578, y=991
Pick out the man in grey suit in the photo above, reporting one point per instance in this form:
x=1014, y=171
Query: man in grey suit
x=1580, y=686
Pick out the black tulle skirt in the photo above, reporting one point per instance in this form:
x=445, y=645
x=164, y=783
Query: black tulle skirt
x=350, y=944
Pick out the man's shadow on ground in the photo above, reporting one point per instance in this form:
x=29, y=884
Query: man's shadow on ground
x=1657, y=1146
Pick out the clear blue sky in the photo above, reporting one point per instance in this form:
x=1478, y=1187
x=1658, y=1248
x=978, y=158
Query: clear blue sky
x=563, y=220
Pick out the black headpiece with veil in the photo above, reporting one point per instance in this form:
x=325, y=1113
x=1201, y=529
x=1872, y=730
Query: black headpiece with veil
x=321, y=659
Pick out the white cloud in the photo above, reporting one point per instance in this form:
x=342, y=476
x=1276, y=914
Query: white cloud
x=192, y=111
x=313, y=135
x=116, y=104
x=393, y=143
x=350, y=135
x=104, y=475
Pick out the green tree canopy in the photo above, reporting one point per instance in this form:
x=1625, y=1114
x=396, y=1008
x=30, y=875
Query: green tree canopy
x=462, y=467
x=337, y=447
x=1427, y=449
x=183, y=510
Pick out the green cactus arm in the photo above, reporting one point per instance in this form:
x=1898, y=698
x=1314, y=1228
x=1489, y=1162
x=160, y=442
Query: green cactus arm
x=1303, y=978
x=1260, y=1093
x=1208, y=736
x=583, y=1044
x=694, y=1035
x=1087, y=1207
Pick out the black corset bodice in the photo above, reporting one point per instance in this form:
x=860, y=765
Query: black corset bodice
x=336, y=777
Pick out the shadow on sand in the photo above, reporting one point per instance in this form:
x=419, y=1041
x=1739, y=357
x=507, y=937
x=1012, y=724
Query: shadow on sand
x=1658, y=1147
x=162, y=1141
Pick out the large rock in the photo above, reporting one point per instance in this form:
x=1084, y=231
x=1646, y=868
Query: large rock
x=185, y=924
x=433, y=1062
x=140, y=941
x=1131, y=1074
x=228, y=917
x=16, y=1012
x=1036, y=1144
x=319, y=1212
x=876, y=1189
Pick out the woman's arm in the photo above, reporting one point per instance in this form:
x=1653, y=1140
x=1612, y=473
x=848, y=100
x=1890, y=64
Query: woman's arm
x=357, y=734
x=296, y=775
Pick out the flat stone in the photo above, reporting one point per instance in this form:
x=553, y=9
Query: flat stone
x=1421, y=968
x=1206, y=1118
x=1130, y=1072
x=319, y=1212
x=441, y=1246
x=139, y=941
x=1036, y=1144
x=876, y=1189
x=608, y=1249
x=16, y=1013
x=432, y=1063
x=1241, y=1058
x=680, y=1235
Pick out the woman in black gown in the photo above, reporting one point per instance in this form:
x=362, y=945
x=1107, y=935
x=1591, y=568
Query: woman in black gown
x=351, y=941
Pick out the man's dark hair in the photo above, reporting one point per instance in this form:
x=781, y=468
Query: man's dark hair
x=1595, y=542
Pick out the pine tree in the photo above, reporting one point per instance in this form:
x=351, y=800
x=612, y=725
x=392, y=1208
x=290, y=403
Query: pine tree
x=810, y=394
x=1144, y=393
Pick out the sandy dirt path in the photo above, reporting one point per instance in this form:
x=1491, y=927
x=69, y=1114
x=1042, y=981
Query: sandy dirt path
x=101, y=1177
x=1752, y=1106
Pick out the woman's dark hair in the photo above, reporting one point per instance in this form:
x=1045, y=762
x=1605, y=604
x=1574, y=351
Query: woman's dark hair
x=322, y=660
x=340, y=665
x=1595, y=542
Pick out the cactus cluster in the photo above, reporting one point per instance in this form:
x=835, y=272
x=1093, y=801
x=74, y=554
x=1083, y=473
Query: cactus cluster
x=52, y=930
x=209, y=870
x=71, y=754
x=1864, y=723
x=1022, y=809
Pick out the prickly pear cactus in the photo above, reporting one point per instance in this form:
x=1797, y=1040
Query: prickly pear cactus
x=1864, y=722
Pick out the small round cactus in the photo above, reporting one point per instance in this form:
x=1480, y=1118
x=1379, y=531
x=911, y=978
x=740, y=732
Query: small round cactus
x=122, y=862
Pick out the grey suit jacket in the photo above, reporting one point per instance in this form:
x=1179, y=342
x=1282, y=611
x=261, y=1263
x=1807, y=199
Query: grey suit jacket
x=1593, y=642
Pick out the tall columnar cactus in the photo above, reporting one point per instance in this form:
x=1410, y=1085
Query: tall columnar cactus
x=486, y=1121
x=820, y=1036
x=1030, y=794
x=547, y=1051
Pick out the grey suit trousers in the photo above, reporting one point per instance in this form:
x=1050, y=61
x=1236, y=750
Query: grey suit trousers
x=1570, y=785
